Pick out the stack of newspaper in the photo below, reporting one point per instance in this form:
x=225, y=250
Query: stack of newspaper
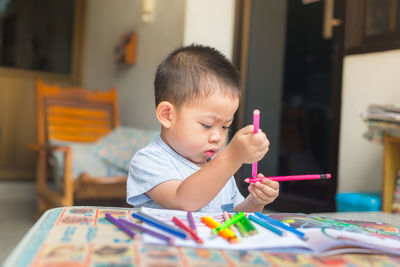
x=382, y=118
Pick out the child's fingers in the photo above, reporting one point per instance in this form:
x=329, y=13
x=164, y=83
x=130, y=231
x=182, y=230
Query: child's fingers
x=249, y=129
x=260, y=144
x=257, y=194
x=260, y=191
x=260, y=139
x=270, y=183
x=259, y=147
x=268, y=190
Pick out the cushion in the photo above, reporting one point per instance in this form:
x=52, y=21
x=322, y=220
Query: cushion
x=118, y=147
x=84, y=159
x=109, y=156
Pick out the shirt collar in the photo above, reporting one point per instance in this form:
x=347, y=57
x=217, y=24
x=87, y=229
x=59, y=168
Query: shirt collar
x=176, y=155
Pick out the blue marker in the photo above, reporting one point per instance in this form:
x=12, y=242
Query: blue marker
x=265, y=225
x=281, y=225
x=159, y=224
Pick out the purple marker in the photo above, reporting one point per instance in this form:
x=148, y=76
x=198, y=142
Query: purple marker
x=120, y=225
x=136, y=226
x=192, y=225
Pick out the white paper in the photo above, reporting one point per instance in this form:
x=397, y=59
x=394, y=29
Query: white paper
x=264, y=239
x=327, y=241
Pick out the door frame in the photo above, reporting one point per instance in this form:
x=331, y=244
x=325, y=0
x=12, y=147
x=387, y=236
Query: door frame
x=240, y=56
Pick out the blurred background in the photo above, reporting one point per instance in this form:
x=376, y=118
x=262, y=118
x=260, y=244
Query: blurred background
x=310, y=66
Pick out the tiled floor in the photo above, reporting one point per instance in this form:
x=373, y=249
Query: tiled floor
x=18, y=208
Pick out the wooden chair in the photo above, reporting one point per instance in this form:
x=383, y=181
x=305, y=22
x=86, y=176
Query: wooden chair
x=78, y=115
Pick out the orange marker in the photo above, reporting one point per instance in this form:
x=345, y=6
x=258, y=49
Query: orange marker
x=225, y=233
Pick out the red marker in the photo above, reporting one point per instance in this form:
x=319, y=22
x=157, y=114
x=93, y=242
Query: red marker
x=291, y=178
x=183, y=226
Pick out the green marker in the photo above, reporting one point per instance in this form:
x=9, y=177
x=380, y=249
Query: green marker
x=229, y=222
x=251, y=230
x=241, y=229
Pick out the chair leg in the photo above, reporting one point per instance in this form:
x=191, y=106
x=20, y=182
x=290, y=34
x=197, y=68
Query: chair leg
x=67, y=202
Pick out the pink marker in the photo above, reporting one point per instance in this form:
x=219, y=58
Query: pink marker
x=256, y=123
x=291, y=178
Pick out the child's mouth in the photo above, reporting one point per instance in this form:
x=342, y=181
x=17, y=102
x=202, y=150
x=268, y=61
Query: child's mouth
x=210, y=153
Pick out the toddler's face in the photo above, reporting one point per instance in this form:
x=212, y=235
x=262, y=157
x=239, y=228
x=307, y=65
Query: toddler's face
x=200, y=127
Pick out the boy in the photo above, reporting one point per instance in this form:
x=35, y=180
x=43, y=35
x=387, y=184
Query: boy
x=197, y=94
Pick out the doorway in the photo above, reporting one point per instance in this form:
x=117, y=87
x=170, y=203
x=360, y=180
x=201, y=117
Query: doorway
x=299, y=101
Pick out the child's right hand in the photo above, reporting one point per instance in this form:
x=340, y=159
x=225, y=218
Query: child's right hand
x=249, y=147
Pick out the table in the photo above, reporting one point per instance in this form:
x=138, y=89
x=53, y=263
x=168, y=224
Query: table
x=80, y=236
x=391, y=166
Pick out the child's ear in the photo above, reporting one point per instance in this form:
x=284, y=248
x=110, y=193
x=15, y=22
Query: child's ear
x=165, y=112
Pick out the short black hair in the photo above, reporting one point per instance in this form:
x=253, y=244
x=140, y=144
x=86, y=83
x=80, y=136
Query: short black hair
x=188, y=71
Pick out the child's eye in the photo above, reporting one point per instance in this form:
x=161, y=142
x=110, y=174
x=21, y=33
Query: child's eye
x=206, y=126
x=226, y=127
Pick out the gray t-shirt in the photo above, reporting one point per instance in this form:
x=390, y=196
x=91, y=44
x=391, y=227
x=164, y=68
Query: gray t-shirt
x=157, y=163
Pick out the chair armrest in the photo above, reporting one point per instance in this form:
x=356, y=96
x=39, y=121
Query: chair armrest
x=42, y=166
x=48, y=148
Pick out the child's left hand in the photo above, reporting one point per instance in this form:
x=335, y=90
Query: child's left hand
x=264, y=192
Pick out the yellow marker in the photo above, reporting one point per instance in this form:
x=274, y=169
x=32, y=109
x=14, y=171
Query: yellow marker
x=225, y=233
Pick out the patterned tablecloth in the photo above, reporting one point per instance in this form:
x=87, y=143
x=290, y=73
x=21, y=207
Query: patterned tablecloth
x=81, y=236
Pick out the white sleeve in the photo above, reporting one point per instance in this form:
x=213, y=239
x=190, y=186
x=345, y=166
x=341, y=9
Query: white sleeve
x=147, y=170
x=237, y=197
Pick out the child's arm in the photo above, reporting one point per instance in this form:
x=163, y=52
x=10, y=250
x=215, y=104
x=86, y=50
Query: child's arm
x=261, y=194
x=200, y=188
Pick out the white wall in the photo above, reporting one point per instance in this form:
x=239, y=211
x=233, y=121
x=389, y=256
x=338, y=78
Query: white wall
x=106, y=22
x=210, y=22
x=206, y=22
x=367, y=78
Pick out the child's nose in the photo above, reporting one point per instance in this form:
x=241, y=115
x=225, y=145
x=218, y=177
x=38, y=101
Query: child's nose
x=215, y=136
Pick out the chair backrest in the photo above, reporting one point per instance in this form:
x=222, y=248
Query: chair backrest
x=74, y=114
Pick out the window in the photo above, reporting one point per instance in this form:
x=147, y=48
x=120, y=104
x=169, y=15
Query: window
x=36, y=35
x=372, y=25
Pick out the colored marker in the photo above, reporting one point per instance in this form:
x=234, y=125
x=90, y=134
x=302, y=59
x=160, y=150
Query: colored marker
x=249, y=226
x=136, y=226
x=238, y=225
x=141, y=213
x=256, y=124
x=192, y=224
x=229, y=222
x=183, y=226
x=120, y=225
x=291, y=178
x=225, y=233
x=242, y=230
x=159, y=224
x=266, y=225
x=226, y=217
x=281, y=225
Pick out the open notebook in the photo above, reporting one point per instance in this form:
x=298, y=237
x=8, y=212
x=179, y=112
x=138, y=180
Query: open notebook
x=326, y=236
